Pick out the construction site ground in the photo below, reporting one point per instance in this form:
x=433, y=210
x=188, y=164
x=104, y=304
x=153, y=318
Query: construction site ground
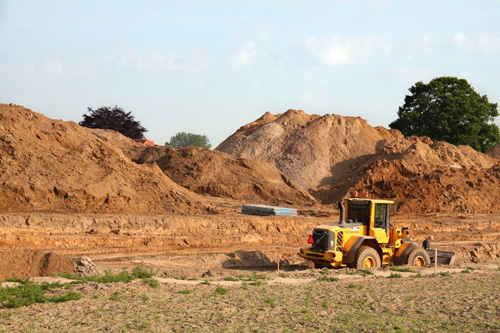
x=191, y=245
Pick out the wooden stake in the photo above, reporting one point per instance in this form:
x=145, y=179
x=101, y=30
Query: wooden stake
x=435, y=261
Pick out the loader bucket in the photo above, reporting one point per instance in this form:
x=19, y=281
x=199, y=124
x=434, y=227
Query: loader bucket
x=443, y=257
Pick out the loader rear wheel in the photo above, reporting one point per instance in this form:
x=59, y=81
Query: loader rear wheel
x=419, y=258
x=367, y=258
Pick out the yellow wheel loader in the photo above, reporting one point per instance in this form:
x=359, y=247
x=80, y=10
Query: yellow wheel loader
x=363, y=239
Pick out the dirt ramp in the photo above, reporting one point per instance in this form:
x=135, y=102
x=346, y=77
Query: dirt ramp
x=25, y=263
x=55, y=166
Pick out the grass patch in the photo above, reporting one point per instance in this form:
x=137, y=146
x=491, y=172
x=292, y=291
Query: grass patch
x=327, y=278
x=401, y=269
x=143, y=272
x=230, y=278
x=220, y=291
x=124, y=276
x=152, y=282
x=394, y=276
x=355, y=286
x=257, y=283
x=185, y=291
x=271, y=302
x=28, y=293
x=252, y=277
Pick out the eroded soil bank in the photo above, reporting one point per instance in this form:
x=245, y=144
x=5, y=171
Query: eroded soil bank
x=203, y=242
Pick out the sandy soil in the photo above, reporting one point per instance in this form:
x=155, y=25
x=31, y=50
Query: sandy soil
x=67, y=191
x=451, y=301
x=193, y=244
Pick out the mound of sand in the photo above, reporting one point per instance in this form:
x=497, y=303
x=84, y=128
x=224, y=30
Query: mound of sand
x=332, y=155
x=494, y=152
x=55, y=166
x=221, y=175
x=26, y=263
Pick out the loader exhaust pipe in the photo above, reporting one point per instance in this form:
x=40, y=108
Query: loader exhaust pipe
x=342, y=212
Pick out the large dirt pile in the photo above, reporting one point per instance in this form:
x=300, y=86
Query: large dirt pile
x=332, y=155
x=221, y=175
x=55, y=166
x=312, y=150
x=26, y=263
x=494, y=152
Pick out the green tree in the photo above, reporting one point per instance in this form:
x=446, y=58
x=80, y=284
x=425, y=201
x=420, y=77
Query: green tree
x=183, y=139
x=115, y=119
x=448, y=109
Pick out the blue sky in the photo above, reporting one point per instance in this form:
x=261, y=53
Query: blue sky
x=209, y=67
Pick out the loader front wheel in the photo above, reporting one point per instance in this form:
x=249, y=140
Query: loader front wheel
x=367, y=258
x=419, y=258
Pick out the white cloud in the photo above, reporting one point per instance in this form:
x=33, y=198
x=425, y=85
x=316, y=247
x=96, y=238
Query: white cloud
x=340, y=51
x=460, y=38
x=160, y=60
x=243, y=56
x=329, y=51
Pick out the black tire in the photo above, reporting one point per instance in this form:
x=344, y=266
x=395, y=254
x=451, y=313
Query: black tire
x=418, y=258
x=367, y=258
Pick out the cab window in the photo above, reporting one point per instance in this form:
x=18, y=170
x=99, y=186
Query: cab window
x=381, y=216
x=358, y=211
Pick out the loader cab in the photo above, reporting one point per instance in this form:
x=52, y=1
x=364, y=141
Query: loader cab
x=372, y=213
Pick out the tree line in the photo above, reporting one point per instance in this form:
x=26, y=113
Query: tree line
x=445, y=109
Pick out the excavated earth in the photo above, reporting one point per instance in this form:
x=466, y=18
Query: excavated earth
x=67, y=192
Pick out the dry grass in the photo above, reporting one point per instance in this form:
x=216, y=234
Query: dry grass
x=465, y=301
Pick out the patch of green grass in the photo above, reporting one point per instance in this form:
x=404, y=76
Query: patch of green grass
x=465, y=271
x=366, y=272
x=206, y=282
x=327, y=278
x=283, y=275
x=257, y=283
x=220, y=291
x=144, y=325
x=401, y=269
x=72, y=296
x=143, y=272
x=152, y=282
x=185, y=291
x=394, y=276
x=252, y=277
x=355, y=286
x=445, y=274
x=28, y=293
x=271, y=302
x=116, y=296
x=230, y=278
